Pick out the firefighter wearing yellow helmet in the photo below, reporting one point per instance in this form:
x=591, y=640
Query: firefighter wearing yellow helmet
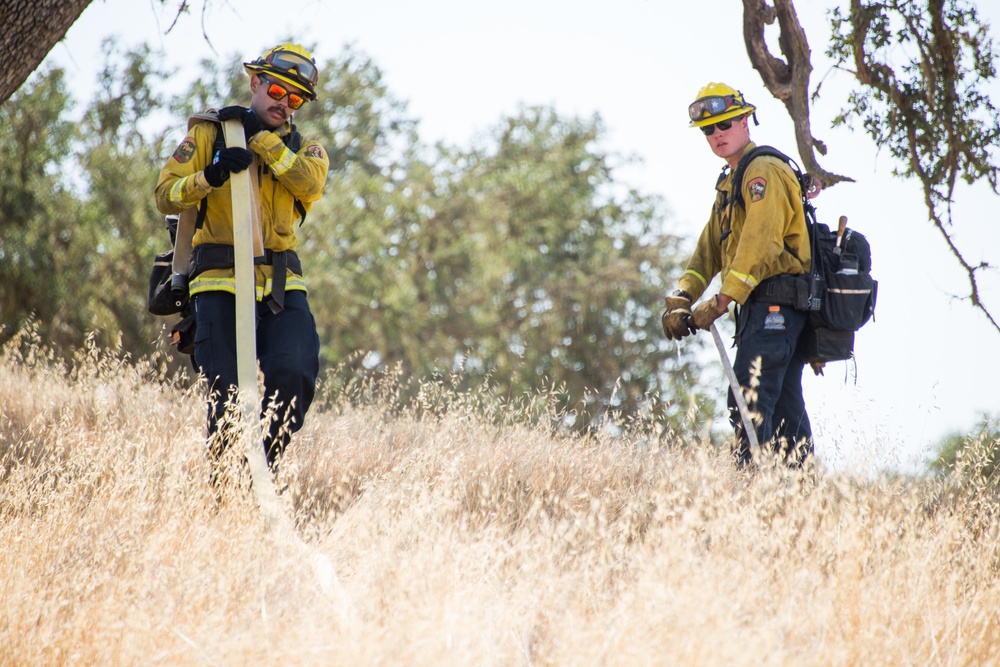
x=756, y=247
x=290, y=172
x=290, y=63
x=717, y=102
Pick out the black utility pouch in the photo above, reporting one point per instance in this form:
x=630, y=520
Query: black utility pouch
x=182, y=335
x=809, y=292
x=163, y=299
x=821, y=345
x=849, y=303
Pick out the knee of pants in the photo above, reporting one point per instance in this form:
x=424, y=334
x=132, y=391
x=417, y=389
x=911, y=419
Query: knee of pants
x=291, y=381
x=293, y=387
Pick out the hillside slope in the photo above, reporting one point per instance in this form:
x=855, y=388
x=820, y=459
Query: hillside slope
x=461, y=541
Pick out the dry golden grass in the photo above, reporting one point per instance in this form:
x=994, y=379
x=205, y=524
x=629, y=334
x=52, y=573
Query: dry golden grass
x=461, y=542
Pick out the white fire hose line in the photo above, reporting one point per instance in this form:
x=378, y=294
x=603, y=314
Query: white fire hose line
x=251, y=433
x=734, y=384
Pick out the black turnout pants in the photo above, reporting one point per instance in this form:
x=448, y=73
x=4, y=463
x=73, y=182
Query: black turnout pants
x=776, y=402
x=288, y=354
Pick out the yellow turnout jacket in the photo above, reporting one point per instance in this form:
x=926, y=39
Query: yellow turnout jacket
x=284, y=176
x=747, y=246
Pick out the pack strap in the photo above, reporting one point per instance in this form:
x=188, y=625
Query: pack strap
x=182, y=251
x=736, y=196
x=217, y=145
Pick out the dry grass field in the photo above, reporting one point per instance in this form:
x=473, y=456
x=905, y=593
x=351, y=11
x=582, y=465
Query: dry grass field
x=458, y=540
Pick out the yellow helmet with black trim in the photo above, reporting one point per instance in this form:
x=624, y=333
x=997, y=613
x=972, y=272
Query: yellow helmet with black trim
x=717, y=102
x=289, y=62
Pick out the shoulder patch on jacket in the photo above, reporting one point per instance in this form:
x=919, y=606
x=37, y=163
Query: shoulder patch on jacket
x=315, y=151
x=185, y=151
x=757, y=187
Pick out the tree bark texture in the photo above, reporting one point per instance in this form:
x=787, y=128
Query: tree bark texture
x=28, y=31
x=788, y=79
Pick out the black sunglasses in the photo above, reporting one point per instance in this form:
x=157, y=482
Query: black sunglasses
x=723, y=125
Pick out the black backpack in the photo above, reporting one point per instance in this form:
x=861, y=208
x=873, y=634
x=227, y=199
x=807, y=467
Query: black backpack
x=839, y=292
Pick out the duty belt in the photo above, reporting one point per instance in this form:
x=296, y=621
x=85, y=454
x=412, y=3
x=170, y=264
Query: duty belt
x=207, y=256
x=781, y=290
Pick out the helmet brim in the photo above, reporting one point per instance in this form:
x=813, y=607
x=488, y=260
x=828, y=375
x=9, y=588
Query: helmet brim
x=725, y=115
x=309, y=90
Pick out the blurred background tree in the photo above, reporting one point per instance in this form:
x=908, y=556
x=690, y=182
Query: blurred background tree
x=40, y=250
x=75, y=213
x=394, y=206
x=979, y=448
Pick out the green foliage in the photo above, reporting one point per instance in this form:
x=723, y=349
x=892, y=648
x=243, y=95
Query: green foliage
x=568, y=270
x=75, y=208
x=924, y=70
x=37, y=211
x=519, y=260
x=978, y=451
x=927, y=67
x=119, y=164
x=221, y=82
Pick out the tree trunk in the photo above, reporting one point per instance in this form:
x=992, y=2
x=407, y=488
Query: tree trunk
x=30, y=29
x=787, y=80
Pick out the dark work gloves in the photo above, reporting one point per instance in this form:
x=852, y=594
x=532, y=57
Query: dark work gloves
x=677, y=316
x=229, y=161
x=706, y=312
x=251, y=124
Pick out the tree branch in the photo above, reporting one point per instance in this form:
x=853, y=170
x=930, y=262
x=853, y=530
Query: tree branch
x=787, y=80
x=940, y=75
x=30, y=29
x=970, y=270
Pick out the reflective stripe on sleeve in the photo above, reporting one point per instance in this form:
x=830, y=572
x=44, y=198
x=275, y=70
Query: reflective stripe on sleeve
x=176, y=195
x=284, y=162
x=745, y=278
x=698, y=276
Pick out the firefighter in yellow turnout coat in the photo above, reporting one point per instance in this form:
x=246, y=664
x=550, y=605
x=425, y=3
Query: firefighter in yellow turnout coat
x=768, y=238
x=291, y=174
x=755, y=249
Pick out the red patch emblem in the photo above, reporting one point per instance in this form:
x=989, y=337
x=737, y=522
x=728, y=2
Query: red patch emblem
x=757, y=187
x=185, y=151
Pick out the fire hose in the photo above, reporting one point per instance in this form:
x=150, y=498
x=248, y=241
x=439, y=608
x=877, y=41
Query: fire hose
x=734, y=384
x=252, y=436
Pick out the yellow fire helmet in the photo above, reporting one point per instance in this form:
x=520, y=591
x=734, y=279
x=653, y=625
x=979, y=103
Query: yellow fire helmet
x=717, y=102
x=289, y=62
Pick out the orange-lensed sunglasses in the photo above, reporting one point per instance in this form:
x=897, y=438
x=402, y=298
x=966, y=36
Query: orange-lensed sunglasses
x=277, y=93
